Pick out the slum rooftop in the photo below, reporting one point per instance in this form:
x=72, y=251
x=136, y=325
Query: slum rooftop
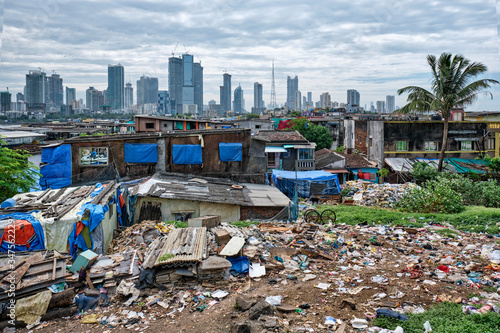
x=146, y=135
x=209, y=190
x=279, y=136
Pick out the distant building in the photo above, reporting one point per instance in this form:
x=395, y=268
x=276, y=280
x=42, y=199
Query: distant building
x=163, y=102
x=380, y=106
x=129, y=96
x=5, y=101
x=70, y=95
x=298, y=100
x=198, y=86
x=185, y=83
x=292, y=86
x=353, y=98
x=115, y=94
x=325, y=100
x=238, y=100
x=95, y=99
x=35, y=87
x=225, y=92
x=258, y=102
x=20, y=97
x=390, y=103
x=147, y=90
x=54, y=91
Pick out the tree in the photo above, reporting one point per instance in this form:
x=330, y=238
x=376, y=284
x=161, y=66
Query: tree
x=252, y=115
x=452, y=87
x=17, y=174
x=313, y=133
x=295, y=114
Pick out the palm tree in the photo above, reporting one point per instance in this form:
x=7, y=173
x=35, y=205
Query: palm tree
x=452, y=87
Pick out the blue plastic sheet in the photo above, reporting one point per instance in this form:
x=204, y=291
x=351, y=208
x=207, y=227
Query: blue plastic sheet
x=285, y=182
x=241, y=265
x=37, y=242
x=230, y=152
x=141, y=153
x=96, y=216
x=57, y=172
x=186, y=154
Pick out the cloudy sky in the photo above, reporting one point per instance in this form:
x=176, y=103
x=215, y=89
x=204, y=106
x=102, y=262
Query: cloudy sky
x=375, y=47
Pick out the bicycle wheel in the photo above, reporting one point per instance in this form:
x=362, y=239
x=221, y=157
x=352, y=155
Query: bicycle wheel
x=312, y=216
x=328, y=215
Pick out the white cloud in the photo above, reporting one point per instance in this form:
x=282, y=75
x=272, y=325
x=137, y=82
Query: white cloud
x=374, y=47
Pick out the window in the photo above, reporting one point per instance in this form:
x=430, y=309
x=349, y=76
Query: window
x=257, y=126
x=466, y=145
x=401, y=146
x=164, y=125
x=370, y=141
x=150, y=125
x=431, y=146
x=490, y=144
x=306, y=154
x=288, y=153
x=94, y=156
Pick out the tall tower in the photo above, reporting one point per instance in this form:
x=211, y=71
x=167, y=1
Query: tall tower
x=115, y=93
x=129, y=95
x=238, y=100
x=225, y=92
x=292, y=88
x=175, y=81
x=273, y=92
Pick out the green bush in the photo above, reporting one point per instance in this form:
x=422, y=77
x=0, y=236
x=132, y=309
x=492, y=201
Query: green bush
x=423, y=172
x=436, y=196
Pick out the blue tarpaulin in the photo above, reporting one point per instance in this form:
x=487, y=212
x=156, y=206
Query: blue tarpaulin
x=141, y=153
x=57, y=172
x=186, y=154
x=27, y=237
x=230, y=152
x=285, y=182
x=75, y=239
x=240, y=265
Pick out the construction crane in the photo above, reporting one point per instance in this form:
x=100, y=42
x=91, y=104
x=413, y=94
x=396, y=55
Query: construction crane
x=173, y=52
x=185, y=50
x=198, y=59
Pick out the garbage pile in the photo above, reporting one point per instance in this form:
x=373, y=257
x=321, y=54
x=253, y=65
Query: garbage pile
x=378, y=195
x=273, y=276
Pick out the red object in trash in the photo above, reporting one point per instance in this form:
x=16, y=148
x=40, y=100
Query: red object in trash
x=444, y=268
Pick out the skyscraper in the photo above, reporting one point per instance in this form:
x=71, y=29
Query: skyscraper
x=225, y=93
x=238, y=100
x=390, y=103
x=19, y=97
x=147, y=90
x=5, y=101
x=54, y=91
x=353, y=97
x=129, y=96
x=292, y=86
x=70, y=95
x=309, y=96
x=325, y=100
x=198, y=86
x=298, y=100
x=175, y=83
x=115, y=94
x=163, y=102
x=95, y=99
x=258, y=103
x=35, y=87
x=380, y=106
x=185, y=83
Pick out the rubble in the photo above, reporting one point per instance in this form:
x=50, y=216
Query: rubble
x=385, y=195
x=273, y=276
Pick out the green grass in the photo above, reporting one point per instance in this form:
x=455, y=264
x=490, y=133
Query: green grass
x=445, y=318
x=178, y=224
x=474, y=218
x=244, y=224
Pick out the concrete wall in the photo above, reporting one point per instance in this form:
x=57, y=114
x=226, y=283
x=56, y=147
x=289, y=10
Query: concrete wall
x=376, y=142
x=416, y=133
x=228, y=213
x=349, y=126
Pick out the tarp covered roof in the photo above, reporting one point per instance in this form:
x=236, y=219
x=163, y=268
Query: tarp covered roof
x=456, y=165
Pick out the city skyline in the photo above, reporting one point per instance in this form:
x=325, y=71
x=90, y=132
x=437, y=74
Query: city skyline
x=382, y=48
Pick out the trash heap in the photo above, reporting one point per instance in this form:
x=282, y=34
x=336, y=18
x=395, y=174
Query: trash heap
x=378, y=195
x=275, y=277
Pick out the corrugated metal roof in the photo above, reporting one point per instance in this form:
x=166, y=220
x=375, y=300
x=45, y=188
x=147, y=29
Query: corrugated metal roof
x=185, y=245
x=199, y=189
